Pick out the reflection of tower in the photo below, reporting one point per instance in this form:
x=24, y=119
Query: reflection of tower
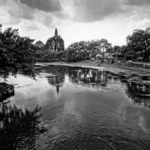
x=56, y=80
x=57, y=88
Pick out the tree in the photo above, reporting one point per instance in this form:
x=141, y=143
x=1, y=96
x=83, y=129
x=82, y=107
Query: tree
x=77, y=51
x=84, y=50
x=123, y=51
x=17, y=54
x=116, y=49
x=139, y=44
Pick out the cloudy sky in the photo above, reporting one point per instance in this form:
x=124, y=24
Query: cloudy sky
x=76, y=19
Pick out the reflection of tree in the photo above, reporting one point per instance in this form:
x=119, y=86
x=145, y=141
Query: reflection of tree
x=140, y=93
x=88, y=76
x=18, y=128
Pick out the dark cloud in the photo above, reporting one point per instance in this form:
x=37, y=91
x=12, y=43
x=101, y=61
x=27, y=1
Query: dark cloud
x=82, y=10
x=89, y=10
x=13, y=12
x=52, y=12
x=137, y=2
x=45, y=5
x=21, y=11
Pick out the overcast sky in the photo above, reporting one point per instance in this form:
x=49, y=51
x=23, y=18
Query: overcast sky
x=76, y=19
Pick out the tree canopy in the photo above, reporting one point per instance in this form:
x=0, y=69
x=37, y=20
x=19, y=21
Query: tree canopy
x=84, y=50
x=17, y=54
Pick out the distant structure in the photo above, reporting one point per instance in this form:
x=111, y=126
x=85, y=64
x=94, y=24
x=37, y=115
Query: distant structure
x=56, y=32
x=39, y=44
x=55, y=43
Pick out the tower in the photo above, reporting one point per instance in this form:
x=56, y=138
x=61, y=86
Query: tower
x=56, y=32
x=55, y=43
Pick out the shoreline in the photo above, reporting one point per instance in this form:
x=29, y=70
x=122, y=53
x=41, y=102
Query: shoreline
x=116, y=68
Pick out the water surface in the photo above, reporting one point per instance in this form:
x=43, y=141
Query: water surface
x=68, y=108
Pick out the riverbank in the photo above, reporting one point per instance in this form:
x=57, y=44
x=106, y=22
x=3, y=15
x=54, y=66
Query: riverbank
x=116, y=67
x=6, y=91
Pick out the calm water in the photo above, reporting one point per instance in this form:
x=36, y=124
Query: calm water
x=76, y=109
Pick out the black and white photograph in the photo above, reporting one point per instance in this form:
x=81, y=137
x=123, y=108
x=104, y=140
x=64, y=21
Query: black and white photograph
x=74, y=74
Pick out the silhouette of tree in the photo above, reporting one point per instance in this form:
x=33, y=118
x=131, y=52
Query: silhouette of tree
x=139, y=44
x=17, y=53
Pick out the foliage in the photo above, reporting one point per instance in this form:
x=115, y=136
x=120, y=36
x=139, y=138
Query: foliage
x=18, y=126
x=136, y=49
x=49, y=56
x=85, y=50
x=116, y=49
x=138, y=46
x=17, y=54
x=71, y=55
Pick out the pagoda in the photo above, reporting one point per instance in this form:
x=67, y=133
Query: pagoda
x=55, y=43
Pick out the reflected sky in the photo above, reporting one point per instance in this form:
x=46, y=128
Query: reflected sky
x=81, y=105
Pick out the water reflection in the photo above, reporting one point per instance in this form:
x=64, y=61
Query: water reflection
x=138, y=117
x=88, y=76
x=56, y=80
x=139, y=92
x=82, y=108
x=78, y=75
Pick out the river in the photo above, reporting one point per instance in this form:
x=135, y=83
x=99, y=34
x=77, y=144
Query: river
x=73, y=108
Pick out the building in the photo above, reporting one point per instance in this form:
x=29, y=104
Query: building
x=39, y=44
x=55, y=43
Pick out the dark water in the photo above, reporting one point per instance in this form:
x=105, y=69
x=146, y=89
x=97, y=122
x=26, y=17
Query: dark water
x=77, y=109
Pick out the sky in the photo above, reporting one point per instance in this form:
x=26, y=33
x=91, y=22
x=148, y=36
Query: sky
x=76, y=20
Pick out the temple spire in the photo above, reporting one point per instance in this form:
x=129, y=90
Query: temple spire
x=56, y=32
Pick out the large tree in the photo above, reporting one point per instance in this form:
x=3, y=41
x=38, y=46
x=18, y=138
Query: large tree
x=17, y=54
x=139, y=44
x=84, y=50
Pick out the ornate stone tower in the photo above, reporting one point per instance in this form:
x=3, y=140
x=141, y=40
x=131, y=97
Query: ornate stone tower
x=56, y=32
x=55, y=43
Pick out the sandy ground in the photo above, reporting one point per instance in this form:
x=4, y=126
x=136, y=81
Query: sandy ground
x=92, y=64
